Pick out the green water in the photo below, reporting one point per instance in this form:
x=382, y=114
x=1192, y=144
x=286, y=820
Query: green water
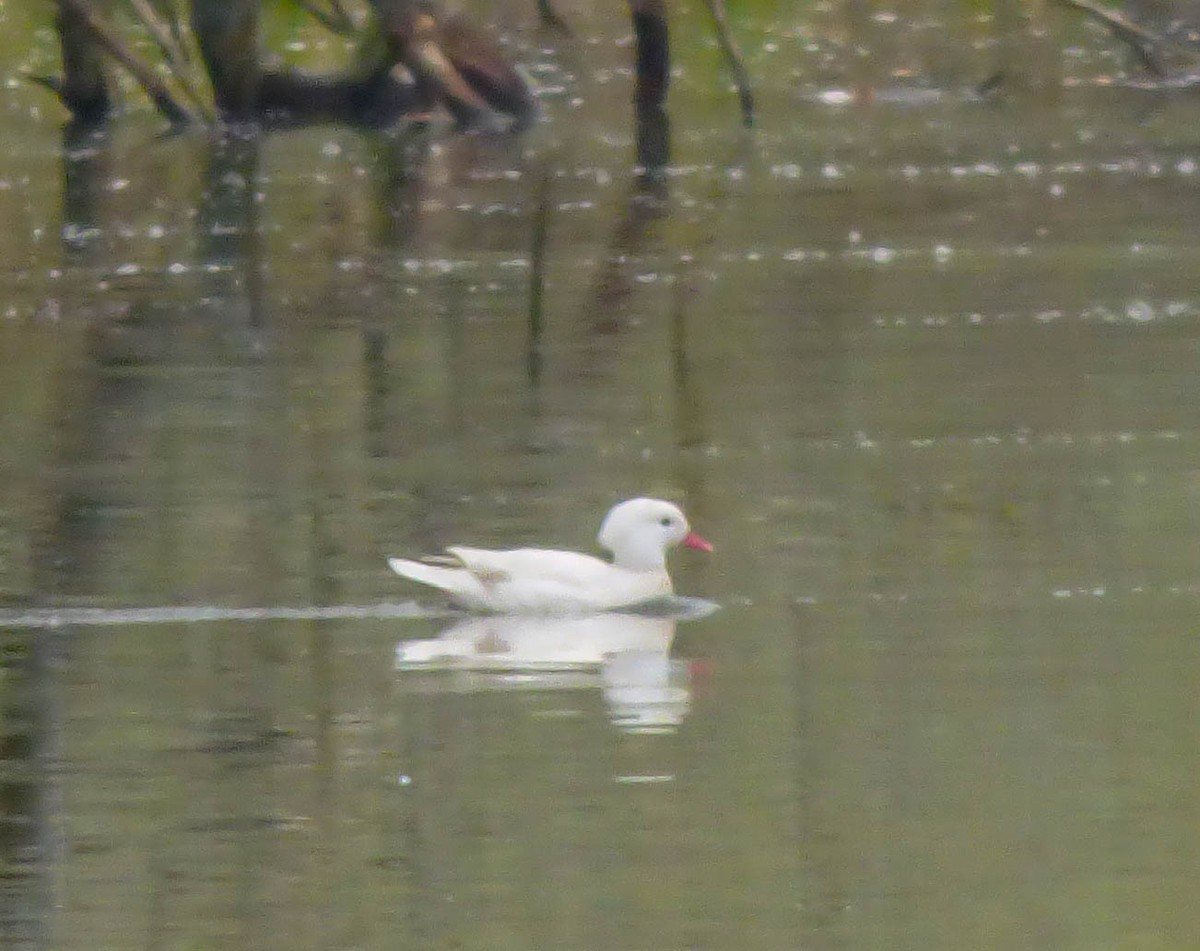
x=923, y=369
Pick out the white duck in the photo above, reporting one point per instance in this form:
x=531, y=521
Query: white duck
x=638, y=533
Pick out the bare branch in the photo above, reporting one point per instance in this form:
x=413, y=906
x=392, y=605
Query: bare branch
x=158, y=91
x=1143, y=41
x=734, y=54
x=170, y=40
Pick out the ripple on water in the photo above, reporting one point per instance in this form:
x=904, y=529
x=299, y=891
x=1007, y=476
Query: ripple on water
x=199, y=614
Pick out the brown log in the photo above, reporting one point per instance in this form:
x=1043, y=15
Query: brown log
x=454, y=63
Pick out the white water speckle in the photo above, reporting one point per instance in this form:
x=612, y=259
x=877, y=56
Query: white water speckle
x=835, y=97
x=1140, y=311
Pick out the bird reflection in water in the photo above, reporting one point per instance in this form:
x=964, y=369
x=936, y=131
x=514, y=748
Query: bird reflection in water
x=625, y=655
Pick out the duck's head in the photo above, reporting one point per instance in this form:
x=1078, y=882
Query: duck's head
x=639, y=533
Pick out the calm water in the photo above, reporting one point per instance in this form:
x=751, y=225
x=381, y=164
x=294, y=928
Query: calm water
x=923, y=368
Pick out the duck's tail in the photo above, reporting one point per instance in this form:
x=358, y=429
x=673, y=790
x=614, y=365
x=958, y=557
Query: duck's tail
x=458, y=582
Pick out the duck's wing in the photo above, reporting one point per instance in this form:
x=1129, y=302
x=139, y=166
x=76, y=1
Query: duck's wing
x=531, y=579
x=546, y=580
x=503, y=580
x=525, y=565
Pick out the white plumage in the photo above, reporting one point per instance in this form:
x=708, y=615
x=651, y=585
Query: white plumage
x=638, y=533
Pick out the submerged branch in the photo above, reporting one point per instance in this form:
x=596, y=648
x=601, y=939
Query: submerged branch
x=550, y=17
x=733, y=53
x=1144, y=42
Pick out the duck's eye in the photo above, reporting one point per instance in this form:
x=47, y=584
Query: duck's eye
x=665, y=521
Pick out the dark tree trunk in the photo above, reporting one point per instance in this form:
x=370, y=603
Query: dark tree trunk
x=84, y=86
x=227, y=32
x=454, y=64
x=652, y=69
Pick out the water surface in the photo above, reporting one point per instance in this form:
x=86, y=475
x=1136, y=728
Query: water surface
x=921, y=366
